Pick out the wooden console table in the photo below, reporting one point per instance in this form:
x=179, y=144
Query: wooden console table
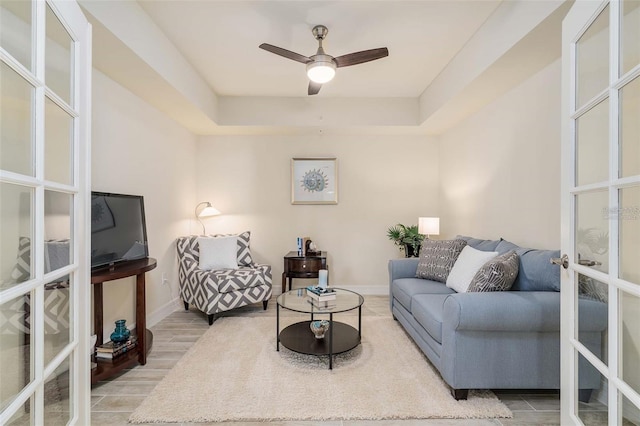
x=106, y=367
x=296, y=266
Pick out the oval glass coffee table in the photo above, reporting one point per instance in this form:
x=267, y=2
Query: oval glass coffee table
x=340, y=337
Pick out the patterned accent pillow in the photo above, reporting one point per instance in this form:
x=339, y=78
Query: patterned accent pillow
x=498, y=274
x=437, y=258
x=244, y=251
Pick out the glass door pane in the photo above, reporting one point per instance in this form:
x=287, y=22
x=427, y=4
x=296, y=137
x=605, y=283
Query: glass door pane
x=58, y=58
x=630, y=35
x=592, y=145
x=16, y=30
x=16, y=122
x=592, y=65
x=630, y=128
x=16, y=225
x=58, y=144
x=592, y=230
x=16, y=344
x=629, y=226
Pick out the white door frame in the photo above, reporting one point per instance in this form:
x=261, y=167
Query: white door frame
x=77, y=350
x=577, y=21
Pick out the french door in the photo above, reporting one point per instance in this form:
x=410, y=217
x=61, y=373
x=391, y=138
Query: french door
x=601, y=204
x=45, y=60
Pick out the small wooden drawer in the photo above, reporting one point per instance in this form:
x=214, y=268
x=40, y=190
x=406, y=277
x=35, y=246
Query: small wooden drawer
x=305, y=265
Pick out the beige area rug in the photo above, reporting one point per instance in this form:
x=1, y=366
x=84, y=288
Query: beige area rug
x=234, y=373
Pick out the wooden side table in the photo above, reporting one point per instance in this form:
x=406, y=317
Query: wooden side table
x=296, y=266
x=106, y=367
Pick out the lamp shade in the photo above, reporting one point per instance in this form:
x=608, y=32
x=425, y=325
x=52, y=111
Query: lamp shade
x=321, y=71
x=209, y=211
x=429, y=225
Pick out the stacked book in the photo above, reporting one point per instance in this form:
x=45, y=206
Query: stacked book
x=111, y=350
x=321, y=297
x=302, y=245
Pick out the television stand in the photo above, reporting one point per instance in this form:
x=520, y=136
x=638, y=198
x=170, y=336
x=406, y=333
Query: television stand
x=106, y=367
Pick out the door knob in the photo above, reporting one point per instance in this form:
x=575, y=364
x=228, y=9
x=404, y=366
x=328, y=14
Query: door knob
x=562, y=261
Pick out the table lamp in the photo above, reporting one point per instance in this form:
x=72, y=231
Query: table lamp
x=207, y=211
x=429, y=226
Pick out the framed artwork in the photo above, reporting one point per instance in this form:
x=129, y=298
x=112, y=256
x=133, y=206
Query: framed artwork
x=314, y=181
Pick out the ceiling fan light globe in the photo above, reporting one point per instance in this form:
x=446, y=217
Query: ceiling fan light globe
x=321, y=71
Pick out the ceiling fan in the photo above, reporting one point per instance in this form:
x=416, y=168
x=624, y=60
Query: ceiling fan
x=322, y=67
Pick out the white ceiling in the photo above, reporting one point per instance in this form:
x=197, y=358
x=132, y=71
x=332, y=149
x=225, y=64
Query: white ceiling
x=220, y=40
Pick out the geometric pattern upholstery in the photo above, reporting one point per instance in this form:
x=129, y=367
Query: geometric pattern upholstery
x=219, y=290
x=498, y=274
x=437, y=258
x=15, y=318
x=22, y=270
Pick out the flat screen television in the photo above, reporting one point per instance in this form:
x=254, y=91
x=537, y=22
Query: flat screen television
x=118, y=229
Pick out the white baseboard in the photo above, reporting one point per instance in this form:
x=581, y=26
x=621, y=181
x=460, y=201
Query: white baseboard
x=370, y=290
x=629, y=411
x=602, y=395
x=163, y=312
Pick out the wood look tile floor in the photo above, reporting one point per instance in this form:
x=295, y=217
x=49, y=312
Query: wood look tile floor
x=115, y=399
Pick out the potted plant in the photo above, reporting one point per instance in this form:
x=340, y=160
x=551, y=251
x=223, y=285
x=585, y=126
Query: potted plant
x=407, y=238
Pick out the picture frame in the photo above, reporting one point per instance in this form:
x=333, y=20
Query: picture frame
x=314, y=180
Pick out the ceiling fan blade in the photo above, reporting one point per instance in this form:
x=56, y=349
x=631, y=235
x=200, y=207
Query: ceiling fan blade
x=361, y=57
x=314, y=88
x=285, y=53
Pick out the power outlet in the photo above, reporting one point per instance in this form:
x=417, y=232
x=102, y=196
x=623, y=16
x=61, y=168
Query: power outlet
x=165, y=281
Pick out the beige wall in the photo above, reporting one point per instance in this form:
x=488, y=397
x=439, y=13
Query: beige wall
x=500, y=168
x=383, y=180
x=138, y=150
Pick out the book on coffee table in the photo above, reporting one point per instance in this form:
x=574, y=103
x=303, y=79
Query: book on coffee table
x=319, y=293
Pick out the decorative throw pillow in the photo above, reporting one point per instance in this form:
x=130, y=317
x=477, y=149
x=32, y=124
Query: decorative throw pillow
x=467, y=265
x=244, y=252
x=437, y=258
x=218, y=253
x=498, y=274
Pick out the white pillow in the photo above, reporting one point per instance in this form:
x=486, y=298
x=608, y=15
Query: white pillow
x=218, y=253
x=468, y=263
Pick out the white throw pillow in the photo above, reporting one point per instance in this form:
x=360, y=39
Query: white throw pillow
x=468, y=263
x=218, y=253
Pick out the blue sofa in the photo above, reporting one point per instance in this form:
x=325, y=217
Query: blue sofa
x=496, y=340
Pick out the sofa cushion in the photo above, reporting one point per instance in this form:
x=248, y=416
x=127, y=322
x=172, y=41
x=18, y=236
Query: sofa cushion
x=536, y=272
x=498, y=274
x=466, y=267
x=505, y=246
x=404, y=289
x=437, y=258
x=427, y=311
x=479, y=244
x=233, y=280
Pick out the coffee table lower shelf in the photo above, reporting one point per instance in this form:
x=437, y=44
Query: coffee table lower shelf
x=299, y=338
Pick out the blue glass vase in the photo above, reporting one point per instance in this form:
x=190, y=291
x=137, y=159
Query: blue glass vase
x=121, y=333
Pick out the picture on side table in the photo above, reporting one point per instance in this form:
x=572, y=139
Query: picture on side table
x=314, y=181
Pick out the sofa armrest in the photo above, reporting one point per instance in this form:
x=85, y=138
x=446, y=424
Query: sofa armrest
x=402, y=268
x=537, y=311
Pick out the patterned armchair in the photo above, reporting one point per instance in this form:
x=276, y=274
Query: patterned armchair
x=15, y=319
x=221, y=290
